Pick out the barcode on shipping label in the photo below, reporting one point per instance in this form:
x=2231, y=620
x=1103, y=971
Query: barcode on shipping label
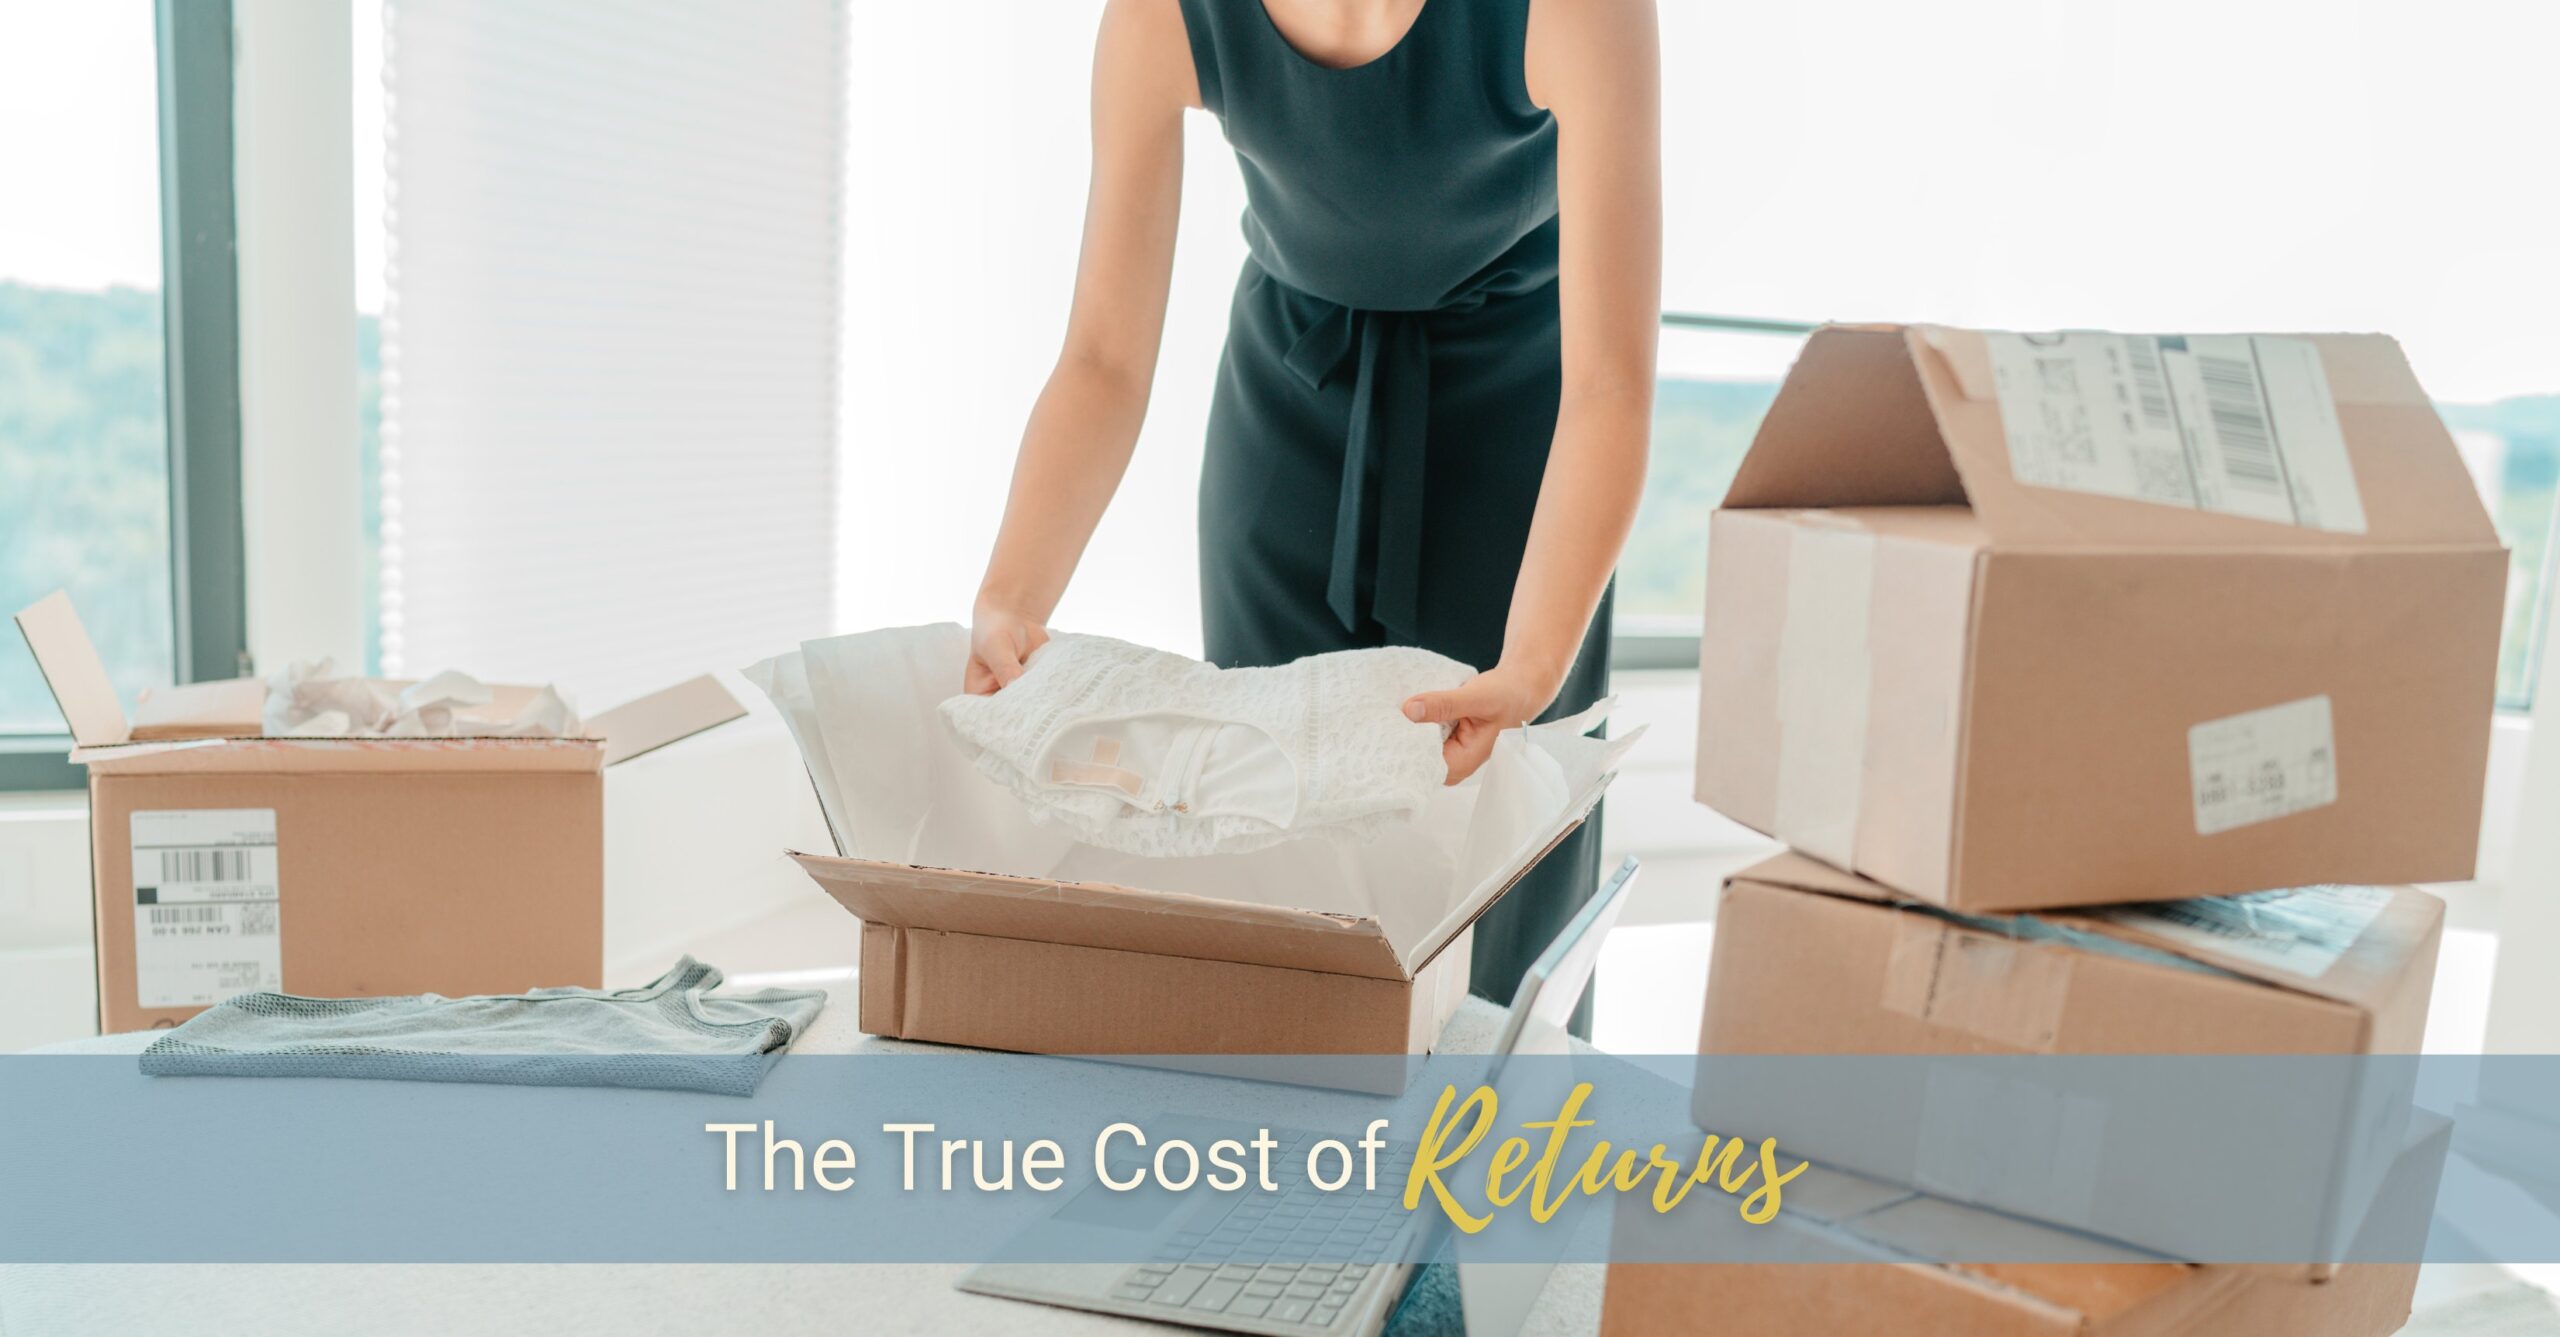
x=2301, y=931
x=204, y=865
x=2237, y=424
x=207, y=905
x=2262, y=765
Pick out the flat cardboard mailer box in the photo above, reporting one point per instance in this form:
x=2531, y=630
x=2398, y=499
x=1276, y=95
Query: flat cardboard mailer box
x=2012, y=622
x=1854, y=1255
x=227, y=862
x=1809, y=960
x=1048, y=967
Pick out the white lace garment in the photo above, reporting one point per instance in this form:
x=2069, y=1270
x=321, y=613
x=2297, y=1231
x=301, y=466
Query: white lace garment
x=1149, y=753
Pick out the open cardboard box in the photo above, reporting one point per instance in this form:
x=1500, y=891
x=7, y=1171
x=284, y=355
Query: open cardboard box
x=1979, y=628
x=226, y=862
x=1813, y=961
x=983, y=928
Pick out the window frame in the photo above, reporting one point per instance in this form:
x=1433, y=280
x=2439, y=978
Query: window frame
x=200, y=303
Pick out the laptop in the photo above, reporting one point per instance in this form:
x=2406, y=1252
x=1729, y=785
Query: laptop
x=1208, y=1253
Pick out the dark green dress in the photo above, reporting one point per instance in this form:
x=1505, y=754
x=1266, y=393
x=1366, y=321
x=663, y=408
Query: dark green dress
x=1388, y=394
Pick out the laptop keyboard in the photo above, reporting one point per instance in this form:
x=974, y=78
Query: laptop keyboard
x=1332, y=1242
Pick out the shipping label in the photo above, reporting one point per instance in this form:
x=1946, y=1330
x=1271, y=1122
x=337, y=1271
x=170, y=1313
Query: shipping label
x=2262, y=765
x=2237, y=424
x=206, y=905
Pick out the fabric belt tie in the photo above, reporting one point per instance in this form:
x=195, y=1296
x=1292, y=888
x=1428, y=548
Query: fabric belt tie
x=1377, y=522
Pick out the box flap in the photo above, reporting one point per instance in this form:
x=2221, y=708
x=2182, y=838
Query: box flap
x=72, y=670
x=1851, y=426
x=1104, y=916
x=2362, y=369
x=653, y=721
x=307, y=756
x=1577, y=811
x=1893, y=415
x=2407, y=478
x=231, y=708
x=2361, y=971
x=1800, y=872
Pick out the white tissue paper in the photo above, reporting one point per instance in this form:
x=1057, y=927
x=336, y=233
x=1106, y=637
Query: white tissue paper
x=310, y=699
x=896, y=787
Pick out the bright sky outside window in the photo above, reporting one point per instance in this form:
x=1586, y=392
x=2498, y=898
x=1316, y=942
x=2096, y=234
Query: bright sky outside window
x=83, y=439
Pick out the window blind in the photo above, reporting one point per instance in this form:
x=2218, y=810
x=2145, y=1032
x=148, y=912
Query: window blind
x=609, y=335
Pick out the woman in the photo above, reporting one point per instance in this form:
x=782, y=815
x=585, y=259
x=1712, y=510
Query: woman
x=1430, y=422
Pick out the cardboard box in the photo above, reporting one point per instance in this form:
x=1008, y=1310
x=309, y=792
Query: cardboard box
x=1041, y=944
x=337, y=867
x=1049, y=967
x=1849, y=1254
x=2012, y=622
x=1811, y=960
x=1071, y=968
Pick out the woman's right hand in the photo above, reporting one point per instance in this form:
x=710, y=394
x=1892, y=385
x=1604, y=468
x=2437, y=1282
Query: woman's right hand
x=1000, y=643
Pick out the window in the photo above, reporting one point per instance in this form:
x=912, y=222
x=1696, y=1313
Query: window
x=2513, y=448
x=2018, y=165
x=84, y=482
x=102, y=491
x=1714, y=379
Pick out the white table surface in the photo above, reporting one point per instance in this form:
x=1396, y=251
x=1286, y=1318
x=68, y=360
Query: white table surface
x=625, y=1300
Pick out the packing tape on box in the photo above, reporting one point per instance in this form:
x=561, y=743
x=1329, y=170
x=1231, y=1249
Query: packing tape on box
x=2005, y=978
x=2000, y=1141
x=2004, y=990
x=1823, y=670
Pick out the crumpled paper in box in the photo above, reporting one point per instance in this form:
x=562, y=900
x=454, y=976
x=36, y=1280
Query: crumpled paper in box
x=310, y=699
x=895, y=786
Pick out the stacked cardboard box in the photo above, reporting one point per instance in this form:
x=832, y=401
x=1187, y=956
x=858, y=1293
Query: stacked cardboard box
x=1811, y=960
x=2005, y=634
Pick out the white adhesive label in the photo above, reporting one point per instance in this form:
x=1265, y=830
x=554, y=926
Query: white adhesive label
x=2300, y=931
x=2238, y=424
x=206, y=922
x=2262, y=765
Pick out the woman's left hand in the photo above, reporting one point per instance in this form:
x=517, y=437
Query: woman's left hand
x=1476, y=711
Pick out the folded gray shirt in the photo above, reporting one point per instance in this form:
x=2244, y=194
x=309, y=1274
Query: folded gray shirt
x=671, y=1035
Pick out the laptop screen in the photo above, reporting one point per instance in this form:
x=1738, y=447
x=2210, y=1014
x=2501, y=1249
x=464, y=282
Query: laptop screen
x=1553, y=984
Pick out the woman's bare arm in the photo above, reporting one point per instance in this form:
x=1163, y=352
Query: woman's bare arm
x=1085, y=425
x=1596, y=65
